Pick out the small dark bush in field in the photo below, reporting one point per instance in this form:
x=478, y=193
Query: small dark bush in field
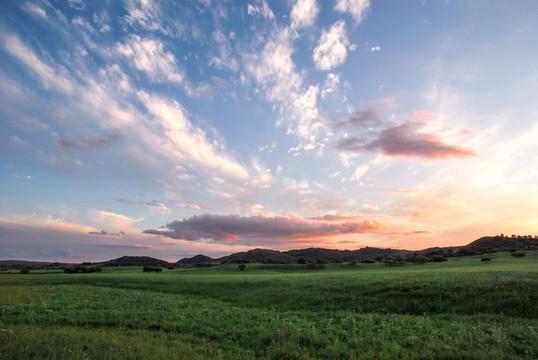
x=269, y=260
x=170, y=268
x=242, y=267
x=95, y=269
x=368, y=261
x=379, y=258
x=301, y=260
x=485, y=259
x=518, y=254
x=439, y=258
x=420, y=259
x=149, y=269
x=25, y=271
x=314, y=266
x=353, y=263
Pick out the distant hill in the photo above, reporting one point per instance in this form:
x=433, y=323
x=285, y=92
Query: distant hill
x=135, y=261
x=311, y=255
x=484, y=244
x=196, y=260
x=503, y=243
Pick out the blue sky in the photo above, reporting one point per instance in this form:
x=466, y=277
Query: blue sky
x=165, y=129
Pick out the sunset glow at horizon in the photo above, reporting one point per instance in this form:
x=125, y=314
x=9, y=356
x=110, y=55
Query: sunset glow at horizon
x=170, y=129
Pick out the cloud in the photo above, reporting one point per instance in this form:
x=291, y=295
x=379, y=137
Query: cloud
x=261, y=9
x=304, y=13
x=89, y=143
x=356, y=8
x=259, y=230
x=104, y=233
x=371, y=132
x=34, y=9
x=149, y=56
x=366, y=117
x=405, y=140
x=331, y=50
x=158, y=206
x=274, y=70
x=49, y=76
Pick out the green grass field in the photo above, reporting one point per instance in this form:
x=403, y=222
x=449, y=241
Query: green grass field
x=460, y=309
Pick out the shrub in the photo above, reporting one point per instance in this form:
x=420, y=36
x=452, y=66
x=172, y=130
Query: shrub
x=171, y=267
x=316, y=266
x=439, y=258
x=94, y=269
x=518, y=254
x=149, y=269
x=368, y=261
x=25, y=271
x=242, y=267
x=301, y=260
x=353, y=263
x=485, y=259
x=420, y=259
x=379, y=258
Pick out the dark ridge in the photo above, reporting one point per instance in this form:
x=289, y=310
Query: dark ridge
x=135, y=261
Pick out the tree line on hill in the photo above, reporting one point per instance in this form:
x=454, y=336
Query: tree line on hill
x=314, y=256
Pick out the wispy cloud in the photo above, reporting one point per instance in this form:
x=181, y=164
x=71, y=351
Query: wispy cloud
x=261, y=8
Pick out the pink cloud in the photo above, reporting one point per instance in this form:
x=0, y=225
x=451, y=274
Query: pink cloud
x=262, y=230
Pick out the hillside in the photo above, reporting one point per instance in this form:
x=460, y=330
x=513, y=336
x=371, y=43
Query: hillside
x=196, y=260
x=135, y=261
x=503, y=243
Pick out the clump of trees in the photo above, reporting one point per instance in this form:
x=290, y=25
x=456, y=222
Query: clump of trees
x=82, y=270
x=149, y=269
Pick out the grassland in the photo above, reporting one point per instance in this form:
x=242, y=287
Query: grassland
x=460, y=309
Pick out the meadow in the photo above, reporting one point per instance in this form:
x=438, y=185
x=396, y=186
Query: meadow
x=459, y=309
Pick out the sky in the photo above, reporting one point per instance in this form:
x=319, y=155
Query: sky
x=173, y=128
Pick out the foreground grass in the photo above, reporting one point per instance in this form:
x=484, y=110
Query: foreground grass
x=368, y=311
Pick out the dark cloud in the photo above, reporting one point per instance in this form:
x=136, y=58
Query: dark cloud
x=366, y=117
x=405, y=140
x=259, y=229
x=89, y=143
x=155, y=203
x=104, y=233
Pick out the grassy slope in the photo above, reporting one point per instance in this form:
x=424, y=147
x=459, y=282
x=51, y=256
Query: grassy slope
x=459, y=309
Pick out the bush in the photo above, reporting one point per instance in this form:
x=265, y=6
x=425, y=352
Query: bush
x=149, y=269
x=242, y=267
x=419, y=259
x=171, y=267
x=367, y=261
x=485, y=259
x=25, y=271
x=518, y=254
x=94, y=269
x=301, y=261
x=439, y=258
x=353, y=263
